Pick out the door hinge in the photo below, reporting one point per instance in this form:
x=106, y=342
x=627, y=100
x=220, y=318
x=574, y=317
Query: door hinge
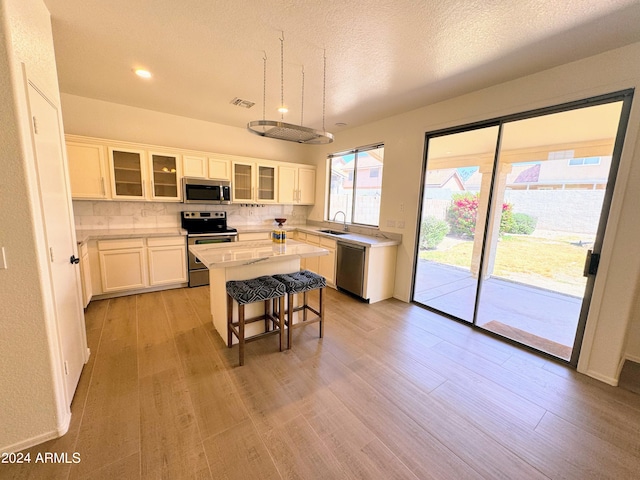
x=51, y=254
x=35, y=125
x=66, y=367
x=591, y=264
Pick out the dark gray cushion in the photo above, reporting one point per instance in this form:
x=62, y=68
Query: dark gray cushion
x=302, y=281
x=255, y=289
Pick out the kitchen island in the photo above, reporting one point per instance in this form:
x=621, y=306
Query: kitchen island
x=244, y=260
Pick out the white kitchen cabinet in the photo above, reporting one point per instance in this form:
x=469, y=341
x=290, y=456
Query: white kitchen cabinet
x=214, y=167
x=85, y=275
x=128, y=173
x=194, y=166
x=218, y=168
x=379, y=273
x=254, y=236
x=87, y=171
x=144, y=175
x=123, y=264
x=167, y=260
x=254, y=182
x=327, y=263
x=164, y=177
x=296, y=184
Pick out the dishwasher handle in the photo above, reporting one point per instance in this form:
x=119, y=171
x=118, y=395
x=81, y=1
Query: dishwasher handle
x=352, y=245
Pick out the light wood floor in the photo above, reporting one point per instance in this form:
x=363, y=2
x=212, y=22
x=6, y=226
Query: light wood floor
x=391, y=392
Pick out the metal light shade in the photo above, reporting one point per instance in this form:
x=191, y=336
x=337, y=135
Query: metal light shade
x=289, y=132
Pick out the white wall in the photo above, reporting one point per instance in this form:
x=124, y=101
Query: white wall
x=31, y=408
x=613, y=312
x=96, y=118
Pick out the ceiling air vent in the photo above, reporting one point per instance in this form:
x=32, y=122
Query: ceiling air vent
x=242, y=103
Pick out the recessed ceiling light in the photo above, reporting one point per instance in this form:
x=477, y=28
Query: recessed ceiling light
x=341, y=124
x=283, y=109
x=141, y=72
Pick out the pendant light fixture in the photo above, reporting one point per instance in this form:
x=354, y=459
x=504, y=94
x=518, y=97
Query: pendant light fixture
x=288, y=131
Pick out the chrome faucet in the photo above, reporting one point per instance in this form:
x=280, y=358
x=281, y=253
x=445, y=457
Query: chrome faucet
x=345, y=218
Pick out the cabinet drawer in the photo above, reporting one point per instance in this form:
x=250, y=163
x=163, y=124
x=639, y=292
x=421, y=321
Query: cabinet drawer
x=301, y=236
x=253, y=236
x=327, y=242
x=166, y=241
x=315, y=239
x=120, y=243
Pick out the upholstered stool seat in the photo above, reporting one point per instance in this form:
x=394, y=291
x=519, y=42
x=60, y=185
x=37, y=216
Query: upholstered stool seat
x=302, y=282
x=262, y=289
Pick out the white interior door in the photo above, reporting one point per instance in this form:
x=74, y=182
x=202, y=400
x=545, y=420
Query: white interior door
x=60, y=235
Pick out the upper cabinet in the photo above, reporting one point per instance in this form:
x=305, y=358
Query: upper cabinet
x=88, y=171
x=165, y=176
x=127, y=173
x=109, y=169
x=215, y=168
x=254, y=182
x=296, y=184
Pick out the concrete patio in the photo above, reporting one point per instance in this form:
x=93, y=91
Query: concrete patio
x=541, y=318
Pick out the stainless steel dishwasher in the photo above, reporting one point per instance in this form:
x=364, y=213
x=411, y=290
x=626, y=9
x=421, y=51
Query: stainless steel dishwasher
x=350, y=269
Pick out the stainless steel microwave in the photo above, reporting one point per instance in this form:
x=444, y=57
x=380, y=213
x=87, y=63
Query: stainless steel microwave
x=200, y=190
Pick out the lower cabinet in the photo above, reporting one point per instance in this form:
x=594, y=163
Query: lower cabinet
x=327, y=263
x=123, y=264
x=138, y=263
x=324, y=265
x=167, y=260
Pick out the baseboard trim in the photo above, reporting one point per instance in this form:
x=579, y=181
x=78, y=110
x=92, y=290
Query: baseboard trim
x=125, y=293
x=603, y=378
x=632, y=358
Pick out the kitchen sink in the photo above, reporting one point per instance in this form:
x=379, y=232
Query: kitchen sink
x=333, y=232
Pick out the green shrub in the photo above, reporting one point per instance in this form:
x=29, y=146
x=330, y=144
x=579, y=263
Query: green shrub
x=432, y=232
x=523, y=224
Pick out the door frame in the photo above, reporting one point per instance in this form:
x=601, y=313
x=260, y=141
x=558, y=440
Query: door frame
x=626, y=96
x=55, y=342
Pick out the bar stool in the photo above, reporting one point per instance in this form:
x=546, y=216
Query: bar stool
x=303, y=282
x=262, y=289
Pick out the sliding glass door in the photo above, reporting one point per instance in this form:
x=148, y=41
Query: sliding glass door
x=454, y=209
x=509, y=222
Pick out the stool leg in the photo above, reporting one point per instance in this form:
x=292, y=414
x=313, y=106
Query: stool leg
x=281, y=319
x=304, y=306
x=241, y=331
x=229, y=320
x=321, y=310
x=266, y=316
x=290, y=320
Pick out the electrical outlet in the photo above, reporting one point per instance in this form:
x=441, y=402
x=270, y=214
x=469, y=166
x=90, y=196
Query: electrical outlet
x=3, y=259
x=391, y=223
x=400, y=223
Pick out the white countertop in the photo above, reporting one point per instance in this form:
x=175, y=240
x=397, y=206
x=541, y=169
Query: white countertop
x=222, y=255
x=376, y=240
x=83, y=236
x=349, y=237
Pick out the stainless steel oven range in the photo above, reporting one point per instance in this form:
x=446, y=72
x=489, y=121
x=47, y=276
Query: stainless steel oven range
x=204, y=228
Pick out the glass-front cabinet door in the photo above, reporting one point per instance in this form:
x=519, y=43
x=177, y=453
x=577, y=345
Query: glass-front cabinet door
x=266, y=184
x=242, y=182
x=164, y=177
x=128, y=173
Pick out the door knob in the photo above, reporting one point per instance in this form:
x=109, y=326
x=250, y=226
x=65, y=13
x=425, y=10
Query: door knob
x=74, y=260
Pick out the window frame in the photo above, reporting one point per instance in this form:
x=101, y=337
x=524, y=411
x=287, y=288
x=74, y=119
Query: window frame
x=353, y=180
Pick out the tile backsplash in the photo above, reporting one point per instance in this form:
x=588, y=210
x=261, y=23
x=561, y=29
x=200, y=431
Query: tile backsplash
x=111, y=215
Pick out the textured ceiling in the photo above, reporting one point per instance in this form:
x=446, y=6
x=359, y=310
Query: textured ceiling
x=383, y=57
